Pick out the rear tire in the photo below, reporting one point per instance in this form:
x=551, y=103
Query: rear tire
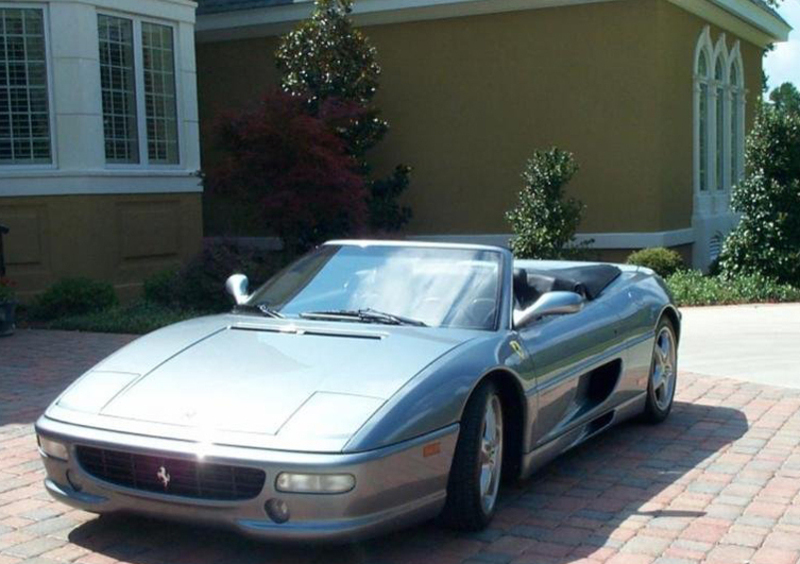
x=476, y=471
x=663, y=377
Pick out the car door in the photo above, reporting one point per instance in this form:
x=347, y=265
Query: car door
x=561, y=348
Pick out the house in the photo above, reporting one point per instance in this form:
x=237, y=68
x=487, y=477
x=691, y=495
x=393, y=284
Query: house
x=654, y=98
x=101, y=125
x=99, y=139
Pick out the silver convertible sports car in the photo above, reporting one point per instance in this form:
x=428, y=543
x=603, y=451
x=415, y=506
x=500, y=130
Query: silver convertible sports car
x=367, y=386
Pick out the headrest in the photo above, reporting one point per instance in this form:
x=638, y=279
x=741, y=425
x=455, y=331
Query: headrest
x=520, y=279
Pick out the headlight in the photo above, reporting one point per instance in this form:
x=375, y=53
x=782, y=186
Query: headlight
x=315, y=483
x=53, y=449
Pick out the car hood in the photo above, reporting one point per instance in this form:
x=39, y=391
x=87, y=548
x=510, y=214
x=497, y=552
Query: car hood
x=248, y=382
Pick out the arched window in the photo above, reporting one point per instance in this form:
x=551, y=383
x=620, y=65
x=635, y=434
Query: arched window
x=737, y=101
x=719, y=98
x=719, y=137
x=720, y=115
x=702, y=78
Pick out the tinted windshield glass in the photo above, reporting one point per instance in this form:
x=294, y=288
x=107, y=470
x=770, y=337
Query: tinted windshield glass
x=439, y=287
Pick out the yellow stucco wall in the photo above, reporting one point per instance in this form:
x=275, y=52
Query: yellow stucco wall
x=121, y=239
x=470, y=98
x=677, y=34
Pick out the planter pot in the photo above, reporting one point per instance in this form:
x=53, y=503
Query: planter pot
x=7, y=318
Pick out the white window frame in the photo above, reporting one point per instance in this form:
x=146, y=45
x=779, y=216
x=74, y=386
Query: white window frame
x=719, y=87
x=51, y=113
x=141, y=110
x=715, y=198
x=704, y=47
x=737, y=94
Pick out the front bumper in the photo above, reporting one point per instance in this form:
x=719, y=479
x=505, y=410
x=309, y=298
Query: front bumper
x=395, y=486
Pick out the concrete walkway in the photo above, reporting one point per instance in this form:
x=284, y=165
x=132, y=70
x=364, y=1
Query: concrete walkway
x=756, y=343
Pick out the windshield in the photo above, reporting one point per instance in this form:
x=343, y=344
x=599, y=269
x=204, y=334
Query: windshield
x=437, y=287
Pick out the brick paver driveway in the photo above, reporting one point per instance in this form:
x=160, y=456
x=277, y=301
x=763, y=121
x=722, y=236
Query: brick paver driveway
x=718, y=482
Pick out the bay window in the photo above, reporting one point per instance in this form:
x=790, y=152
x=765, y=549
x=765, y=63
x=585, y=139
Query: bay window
x=118, y=83
x=24, y=96
x=138, y=81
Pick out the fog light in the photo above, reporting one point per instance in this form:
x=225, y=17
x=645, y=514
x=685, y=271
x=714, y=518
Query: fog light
x=277, y=510
x=315, y=483
x=53, y=449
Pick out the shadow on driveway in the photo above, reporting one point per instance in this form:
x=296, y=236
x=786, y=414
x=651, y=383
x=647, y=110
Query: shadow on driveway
x=588, y=502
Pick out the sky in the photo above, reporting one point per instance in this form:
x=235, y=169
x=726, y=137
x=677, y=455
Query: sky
x=783, y=64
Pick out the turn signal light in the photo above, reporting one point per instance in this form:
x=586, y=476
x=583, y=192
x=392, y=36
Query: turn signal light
x=53, y=449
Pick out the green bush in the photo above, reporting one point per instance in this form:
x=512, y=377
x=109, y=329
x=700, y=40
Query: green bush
x=767, y=239
x=200, y=285
x=138, y=318
x=545, y=220
x=665, y=262
x=692, y=288
x=161, y=288
x=73, y=296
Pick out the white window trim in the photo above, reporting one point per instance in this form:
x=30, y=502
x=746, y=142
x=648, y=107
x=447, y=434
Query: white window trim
x=51, y=112
x=704, y=46
x=714, y=200
x=141, y=110
x=718, y=86
x=738, y=94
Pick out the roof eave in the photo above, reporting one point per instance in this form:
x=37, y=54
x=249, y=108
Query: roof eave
x=743, y=17
x=767, y=21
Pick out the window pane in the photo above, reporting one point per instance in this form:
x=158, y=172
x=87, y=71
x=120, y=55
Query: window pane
x=719, y=153
x=703, y=137
x=702, y=65
x=24, y=105
x=159, y=93
x=118, y=83
x=737, y=158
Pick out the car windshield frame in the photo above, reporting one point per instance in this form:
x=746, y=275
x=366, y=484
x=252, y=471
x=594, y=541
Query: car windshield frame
x=260, y=298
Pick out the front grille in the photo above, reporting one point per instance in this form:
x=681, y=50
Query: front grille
x=184, y=478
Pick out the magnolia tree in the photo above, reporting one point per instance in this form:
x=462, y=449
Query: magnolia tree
x=326, y=60
x=767, y=239
x=545, y=220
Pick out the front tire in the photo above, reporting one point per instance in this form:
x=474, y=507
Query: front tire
x=663, y=373
x=477, y=464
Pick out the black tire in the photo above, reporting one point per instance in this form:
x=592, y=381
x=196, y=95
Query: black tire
x=464, y=509
x=656, y=409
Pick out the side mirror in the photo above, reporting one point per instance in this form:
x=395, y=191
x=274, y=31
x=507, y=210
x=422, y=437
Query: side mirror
x=236, y=286
x=551, y=303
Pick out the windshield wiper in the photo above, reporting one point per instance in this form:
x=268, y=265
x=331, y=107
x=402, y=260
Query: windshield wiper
x=364, y=315
x=264, y=309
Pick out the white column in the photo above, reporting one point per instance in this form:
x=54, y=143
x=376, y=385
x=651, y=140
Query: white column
x=76, y=86
x=187, y=82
